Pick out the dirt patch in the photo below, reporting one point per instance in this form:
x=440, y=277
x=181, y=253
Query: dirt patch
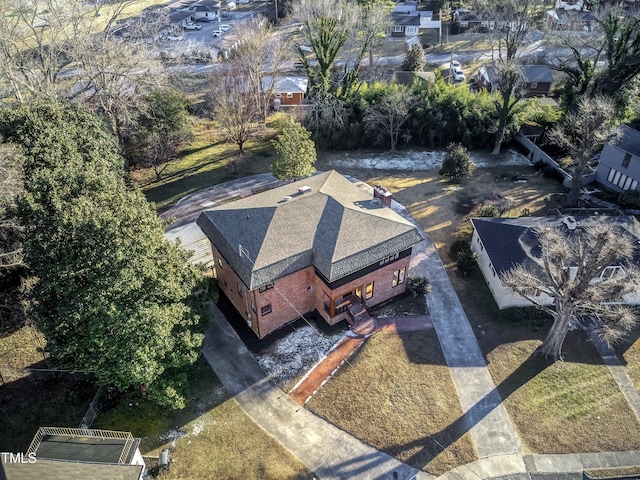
x=404, y=305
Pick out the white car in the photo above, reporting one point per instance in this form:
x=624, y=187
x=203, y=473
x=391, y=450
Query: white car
x=225, y=27
x=455, y=65
x=217, y=33
x=192, y=26
x=175, y=38
x=458, y=75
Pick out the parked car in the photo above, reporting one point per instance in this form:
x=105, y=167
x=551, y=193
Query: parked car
x=175, y=38
x=458, y=75
x=217, y=33
x=225, y=27
x=203, y=19
x=456, y=65
x=192, y=26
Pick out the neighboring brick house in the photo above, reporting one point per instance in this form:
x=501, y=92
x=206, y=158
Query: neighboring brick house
x=58, y=453
x=536, y=80
x=619, y=163
x=287, y=91
x=315, y=244
x=498, y=244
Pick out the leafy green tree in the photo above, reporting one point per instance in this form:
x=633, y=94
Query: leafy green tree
x=297, y=152
x=332, y=28
x=112, y=295
x=163, y=128
x=414, y=59
x=457, y=163
x=603, y=64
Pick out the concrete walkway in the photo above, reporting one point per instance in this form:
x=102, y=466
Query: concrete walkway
x=484, y=415
x=326, y=450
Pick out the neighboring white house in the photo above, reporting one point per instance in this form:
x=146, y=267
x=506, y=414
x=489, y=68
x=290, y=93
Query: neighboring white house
x=498, y=244
x=619, y=162
x=58, y=453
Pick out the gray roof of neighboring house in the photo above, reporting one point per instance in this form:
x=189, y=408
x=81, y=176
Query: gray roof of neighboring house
x=628, y=140
x=537, y=73
x=180, y=15
x=286, y=84
x=581, y=16
x=336, y=226
x=55, y=470
x=531, y=73
x=410, y=20
x=502, y=237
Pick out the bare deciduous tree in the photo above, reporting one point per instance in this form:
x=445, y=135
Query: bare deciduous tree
x=510, y=23
x=11, y=253
x=259, y=55
x=571, y=267
x=233, y=105
x=57, y=48
x=389, y=114
x=582, y=134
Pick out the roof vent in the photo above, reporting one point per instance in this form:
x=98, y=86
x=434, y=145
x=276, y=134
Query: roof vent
x=304, y=189
x=570, y=222
x=286, y=199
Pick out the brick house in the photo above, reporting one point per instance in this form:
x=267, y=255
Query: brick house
x=321, y=244
x=287, y=91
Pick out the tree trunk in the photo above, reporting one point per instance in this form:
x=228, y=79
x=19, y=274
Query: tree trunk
x=551, y=348
x=497, y=144
x=576, y=183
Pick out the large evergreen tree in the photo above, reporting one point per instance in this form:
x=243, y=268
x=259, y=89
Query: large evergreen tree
x=112, y=295
x=296, y=150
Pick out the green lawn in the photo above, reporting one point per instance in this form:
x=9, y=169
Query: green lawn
x=206, y=161
x=211, y=437
x=396, y=394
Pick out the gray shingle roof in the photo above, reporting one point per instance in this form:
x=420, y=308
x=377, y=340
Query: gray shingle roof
x=501, y=237
x=537, y=73
x=628, y=140
x=336, y=227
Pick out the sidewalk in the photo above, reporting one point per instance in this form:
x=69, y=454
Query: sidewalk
x=485, y=416
x=326, y=450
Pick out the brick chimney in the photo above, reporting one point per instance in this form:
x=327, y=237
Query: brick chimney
x=383, y=194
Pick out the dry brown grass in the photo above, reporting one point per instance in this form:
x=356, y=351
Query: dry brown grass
x=629, y=354
x=211, y=438
x=229, y=445
x=572, y=406
x=397, y=395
